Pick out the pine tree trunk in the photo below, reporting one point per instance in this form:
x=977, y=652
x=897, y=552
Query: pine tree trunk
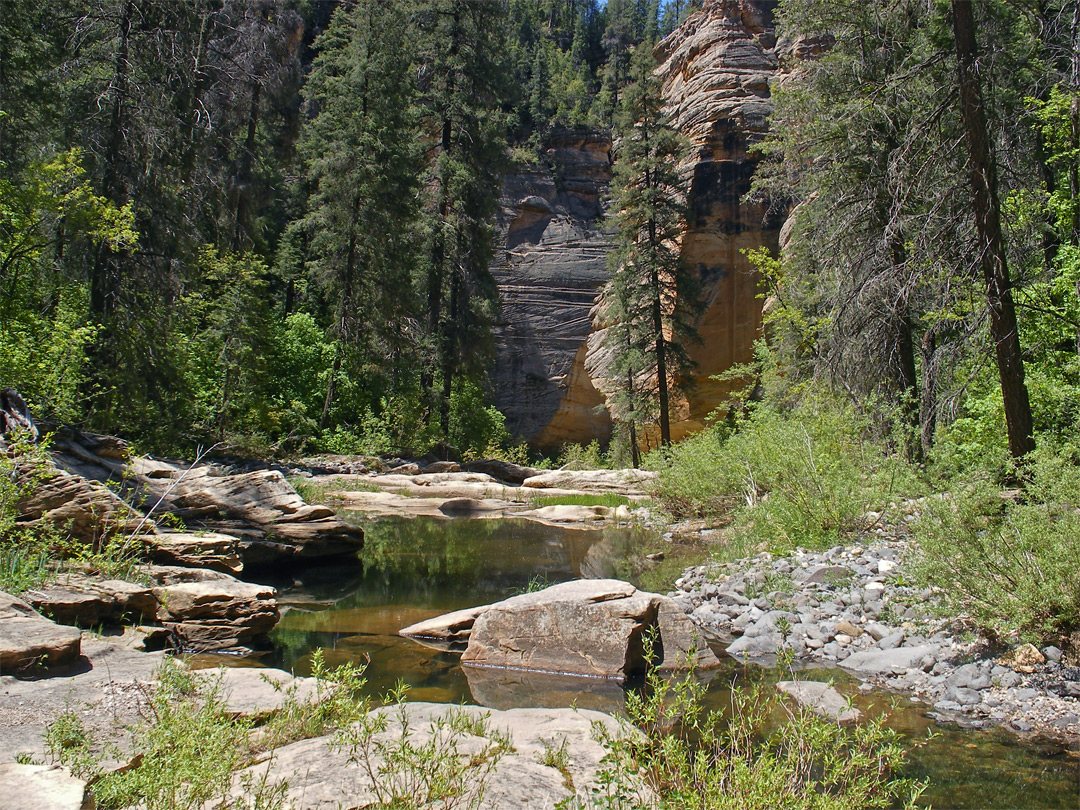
x=991, y=244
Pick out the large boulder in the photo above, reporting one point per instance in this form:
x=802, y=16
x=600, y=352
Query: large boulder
x=217, y=614
x=28, y=639
x=586, y=627
x=594, y=627
x=84, y=509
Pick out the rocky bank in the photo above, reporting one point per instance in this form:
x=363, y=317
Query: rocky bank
x=852, y=608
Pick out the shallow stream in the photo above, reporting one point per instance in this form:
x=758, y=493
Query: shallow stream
x=415, y=568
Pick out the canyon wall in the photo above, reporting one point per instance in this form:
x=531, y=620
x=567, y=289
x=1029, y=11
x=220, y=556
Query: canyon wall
x=715, y=70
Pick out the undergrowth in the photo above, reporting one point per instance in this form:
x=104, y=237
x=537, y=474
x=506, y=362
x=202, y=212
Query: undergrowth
x=677, y=754
x=786, y=475
x=609, y=499
x=1008, y=560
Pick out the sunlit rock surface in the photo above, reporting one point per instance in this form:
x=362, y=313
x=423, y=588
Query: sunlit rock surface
x=715, y=70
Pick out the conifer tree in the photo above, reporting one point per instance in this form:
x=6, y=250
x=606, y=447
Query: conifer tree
x=651, y=296
x=362, y=156
x=460, y=62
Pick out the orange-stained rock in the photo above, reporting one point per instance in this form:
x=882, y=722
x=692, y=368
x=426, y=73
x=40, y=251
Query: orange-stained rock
x=550, y=372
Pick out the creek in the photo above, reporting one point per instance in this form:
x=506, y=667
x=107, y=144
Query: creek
x=415, y=568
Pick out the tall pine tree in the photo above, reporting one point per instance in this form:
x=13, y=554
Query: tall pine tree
x=362, y=155
x=460, y=64
x=651, y=296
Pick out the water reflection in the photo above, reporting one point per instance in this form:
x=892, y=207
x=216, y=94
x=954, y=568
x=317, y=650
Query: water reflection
x=413, y=569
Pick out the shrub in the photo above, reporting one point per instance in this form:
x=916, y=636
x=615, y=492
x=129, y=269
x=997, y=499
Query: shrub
x=583, y=457
x=696, y=760
x=799, y=476
x=1010, y=564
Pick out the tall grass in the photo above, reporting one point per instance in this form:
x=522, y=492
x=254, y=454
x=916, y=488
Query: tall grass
x=1008, y=560
x=786, y=476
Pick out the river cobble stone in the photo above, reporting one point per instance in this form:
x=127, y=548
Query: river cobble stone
x=853, y=607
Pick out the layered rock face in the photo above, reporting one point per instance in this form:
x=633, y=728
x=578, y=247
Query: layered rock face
x=715, y=69
x=553, y=264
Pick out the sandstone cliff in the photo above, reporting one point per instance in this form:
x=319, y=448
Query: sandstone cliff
x=715, y=70
x=553, y=264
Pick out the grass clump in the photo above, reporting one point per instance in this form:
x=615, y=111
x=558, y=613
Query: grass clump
x=190, y=746
x=1008, y=560
x=786, y=476
x=688, y=758
x=445, y=764
x=608, y=499
x=321, y=491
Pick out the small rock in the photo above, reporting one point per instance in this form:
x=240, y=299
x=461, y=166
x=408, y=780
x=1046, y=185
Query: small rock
x=891, y=641
x=1052, y=653
x=970, y=676
x=1024, y=658
x=848, y=629
x=962, y=695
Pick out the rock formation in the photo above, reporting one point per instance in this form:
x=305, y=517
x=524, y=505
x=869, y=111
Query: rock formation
x=715, y=70
x=553, y=263
x=591, y=627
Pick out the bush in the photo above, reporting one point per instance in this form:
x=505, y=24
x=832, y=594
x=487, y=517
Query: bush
x=1009, y=564
x=583, y=457
x=695, y=760
x=799, y=476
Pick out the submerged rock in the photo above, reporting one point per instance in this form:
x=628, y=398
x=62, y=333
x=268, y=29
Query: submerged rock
x=822, y=699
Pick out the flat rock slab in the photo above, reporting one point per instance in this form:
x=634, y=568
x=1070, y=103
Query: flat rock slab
x=251, y=692
x=42, y=787
x=879, y=662
x=454, y=626
x=627, y=482
x=320, y=775
x=29, y=639
x=822, y=699
x=107, y=686
x=213, y=550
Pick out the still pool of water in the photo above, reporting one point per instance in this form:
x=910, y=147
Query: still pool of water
x=412, y=569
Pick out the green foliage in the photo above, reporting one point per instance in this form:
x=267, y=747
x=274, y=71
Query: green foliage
x=583, y=457
x=446, y=765
x=190, y=748
x=24, y=553
x=475, y=428
x=609, y=499
x=43, y=316
x=688, y=758
x=799, y=475
x=1008, y=562
x=338, y=700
